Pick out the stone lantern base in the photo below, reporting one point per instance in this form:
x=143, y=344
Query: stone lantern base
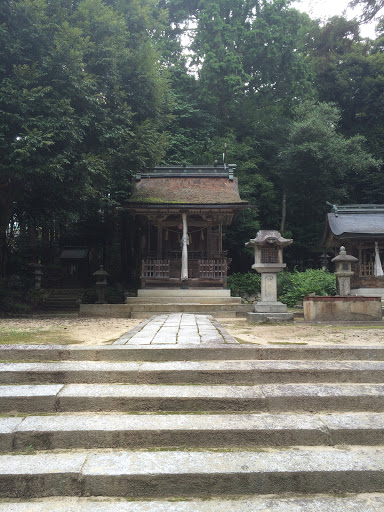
x=259, y=318
x=270, y=307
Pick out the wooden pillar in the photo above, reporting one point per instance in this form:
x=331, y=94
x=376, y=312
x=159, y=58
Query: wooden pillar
x=360, y=261
x=184, y=254
x=149, y=237
x=209, y=242
x=159, y=241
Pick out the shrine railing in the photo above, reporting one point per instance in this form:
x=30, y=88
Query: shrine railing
x=213, y=268
x=366, y=269
x=165, y=269
x=155, y=268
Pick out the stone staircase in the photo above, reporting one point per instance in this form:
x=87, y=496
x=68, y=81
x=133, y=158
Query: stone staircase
x=63, y=300
x=149, y=302
x=191, y=428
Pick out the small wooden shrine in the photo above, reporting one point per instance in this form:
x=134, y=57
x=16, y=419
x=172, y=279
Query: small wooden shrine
x=360, y=229
x=181, y=213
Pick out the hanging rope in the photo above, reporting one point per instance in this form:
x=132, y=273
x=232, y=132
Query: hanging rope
x=378, y=269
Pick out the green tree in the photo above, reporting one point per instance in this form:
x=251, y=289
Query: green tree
x=82, y=107
x=318, y=164
x=349, y=72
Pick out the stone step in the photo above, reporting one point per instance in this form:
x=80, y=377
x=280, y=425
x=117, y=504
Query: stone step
x=130, y=431
x=147, y=310
x=227, y=313
x=184, y=352
x=186, y=292
x=191, y=307
x=63, y=298
x=299, y=503
x=197, y=372
x=183, y=300
x=59, y=307
x=129, y=397
x=155, y=474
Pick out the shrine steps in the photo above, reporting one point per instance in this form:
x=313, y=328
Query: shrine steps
x=156, y=301
x=183, y=300
x=62, y=300
x=213, y=301
x=257, y=428
x=228, y=309
x=361, y=503
x=369, y=292
x=144, y=308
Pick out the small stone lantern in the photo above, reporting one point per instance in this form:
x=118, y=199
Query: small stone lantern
x=101, y=282
x=343, y=263
x=38, y=274
x=268, y=247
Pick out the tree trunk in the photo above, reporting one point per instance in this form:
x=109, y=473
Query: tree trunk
x=5, y=215
x=283, y=212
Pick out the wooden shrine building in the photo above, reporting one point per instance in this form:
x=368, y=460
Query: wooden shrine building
x=181, y=213
x=360, y=229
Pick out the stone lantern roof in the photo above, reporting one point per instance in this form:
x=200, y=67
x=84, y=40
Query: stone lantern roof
x=271, y=237
x=344, y=257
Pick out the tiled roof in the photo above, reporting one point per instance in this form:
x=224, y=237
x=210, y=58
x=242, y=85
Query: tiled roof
x=354, y=221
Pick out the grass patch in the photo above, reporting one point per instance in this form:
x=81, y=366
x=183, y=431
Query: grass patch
x=359, y=327
x=287, y=343
x=35, y=336
x=244, y=342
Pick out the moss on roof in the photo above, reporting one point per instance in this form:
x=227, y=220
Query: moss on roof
x=188, y=190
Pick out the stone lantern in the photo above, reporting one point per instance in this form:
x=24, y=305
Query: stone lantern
x=343, y=263
x=268, y=247
x=38, y=274
x=101, y=282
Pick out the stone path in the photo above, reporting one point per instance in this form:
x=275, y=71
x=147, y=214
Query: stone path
x=177, y=329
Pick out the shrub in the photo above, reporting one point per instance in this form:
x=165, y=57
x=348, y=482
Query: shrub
x=114, y=294
x=294, y=286
x=291, y=286
x=12, y=302
x=244, y=285
x=36, y=298
x=89, y=296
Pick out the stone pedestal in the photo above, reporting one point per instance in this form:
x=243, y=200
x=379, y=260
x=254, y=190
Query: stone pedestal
x=268, y=287
x=344, y=283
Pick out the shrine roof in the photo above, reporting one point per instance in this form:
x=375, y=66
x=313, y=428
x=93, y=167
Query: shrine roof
x=187, y=190
x=74, y=253
x=354, y=221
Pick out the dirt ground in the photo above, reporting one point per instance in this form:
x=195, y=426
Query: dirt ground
x=301, y=333
x=94, y=331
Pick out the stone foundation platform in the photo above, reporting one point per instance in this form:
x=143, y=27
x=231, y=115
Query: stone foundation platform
x=342, y=308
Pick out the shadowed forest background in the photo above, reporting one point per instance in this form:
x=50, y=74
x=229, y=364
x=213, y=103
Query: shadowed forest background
x=92, y=91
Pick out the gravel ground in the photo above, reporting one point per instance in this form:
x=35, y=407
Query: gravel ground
x=94, y=331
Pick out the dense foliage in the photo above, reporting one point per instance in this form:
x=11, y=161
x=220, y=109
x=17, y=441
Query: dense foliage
x=291, y=286
x=93, y=90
